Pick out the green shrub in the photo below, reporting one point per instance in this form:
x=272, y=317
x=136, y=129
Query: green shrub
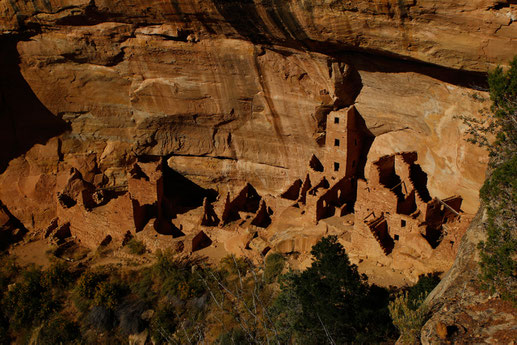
x=178, y=276
x=136, y=247
x=87, y=284
x=108, y=295
x=426, y=283
x=331, y=302
x=409, y=316
x=499, y=193
x=58, y=276
x=235, y=266
x=497, y=132
x=59, y=330
x=235, y=336
x=274, y=265
x=163, y=324
x=29, y=301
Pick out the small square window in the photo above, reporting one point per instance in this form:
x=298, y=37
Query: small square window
x=396, y=237
x=336, y=166
x=336, y=120
x=336, y=142
x=403, y=223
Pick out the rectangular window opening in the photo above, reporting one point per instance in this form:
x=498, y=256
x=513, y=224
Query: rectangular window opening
x=396, y=237
x=336, y=120
x=403, y=223
x=336, y=166
x=336, y=142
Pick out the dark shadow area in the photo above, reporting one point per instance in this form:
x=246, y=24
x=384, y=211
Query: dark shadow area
x=379, y=229
x=263, y=217
x=142, y=214
x=24, y=120
x=243, y=16
x=388, y=177
x=305, y=188
x=407, y=206
x=12, y=231
x=315, y=164
x=210, y=217
x=200, y=241
x=181, y=195
x=293, y=191
x=433, y=235
x=365, y=141
x=419, y=180
x=392, y=63
x=166, y=227
x=248, y=200
x=322, y=184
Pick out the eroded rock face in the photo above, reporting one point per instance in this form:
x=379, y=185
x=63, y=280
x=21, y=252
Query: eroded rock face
x=461, y=311
x=172, y=119
x=458, y=34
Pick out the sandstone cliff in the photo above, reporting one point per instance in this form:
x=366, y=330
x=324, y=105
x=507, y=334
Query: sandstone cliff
x=174, y=119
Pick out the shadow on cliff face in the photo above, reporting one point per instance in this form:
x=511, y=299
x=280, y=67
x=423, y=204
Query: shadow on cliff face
x=244, y=17
x=180, y=194
x=24, y=120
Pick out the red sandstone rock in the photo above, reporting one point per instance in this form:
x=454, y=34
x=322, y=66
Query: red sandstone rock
x=228, y=124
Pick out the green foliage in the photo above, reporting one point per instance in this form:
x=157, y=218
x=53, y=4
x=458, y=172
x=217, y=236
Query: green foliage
x=233, y=265
x=426, y=283
x=178, y=276
x=59, y=330
x=108, y=295
x=29, y=301
x=499, y=192
x=232, y=337
x=58, y=276
x=409, y=315
x=274, y=265
x=330, y=302
x=136, y=247
x=87, y=284
x=163, y=324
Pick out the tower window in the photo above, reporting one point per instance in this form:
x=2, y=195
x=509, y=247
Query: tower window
x=336, y=142
x=336, y=166
x=403, y=223
x=336, y=120
x=396, y=237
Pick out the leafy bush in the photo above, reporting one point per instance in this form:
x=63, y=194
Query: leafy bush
x=274, y=265
x=235, y=336
x=426, y=283
x=136, y=247
x=87, y=284
x=108, y=295
x=59, y=330
x=330, y=302
x=163, y=324
x=234, y=265
x=409, y=315
x=178, y=276
x=58, y=276
x=497, y=132
x=29, y=301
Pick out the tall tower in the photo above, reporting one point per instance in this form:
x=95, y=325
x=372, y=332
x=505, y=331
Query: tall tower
x=343, y=143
